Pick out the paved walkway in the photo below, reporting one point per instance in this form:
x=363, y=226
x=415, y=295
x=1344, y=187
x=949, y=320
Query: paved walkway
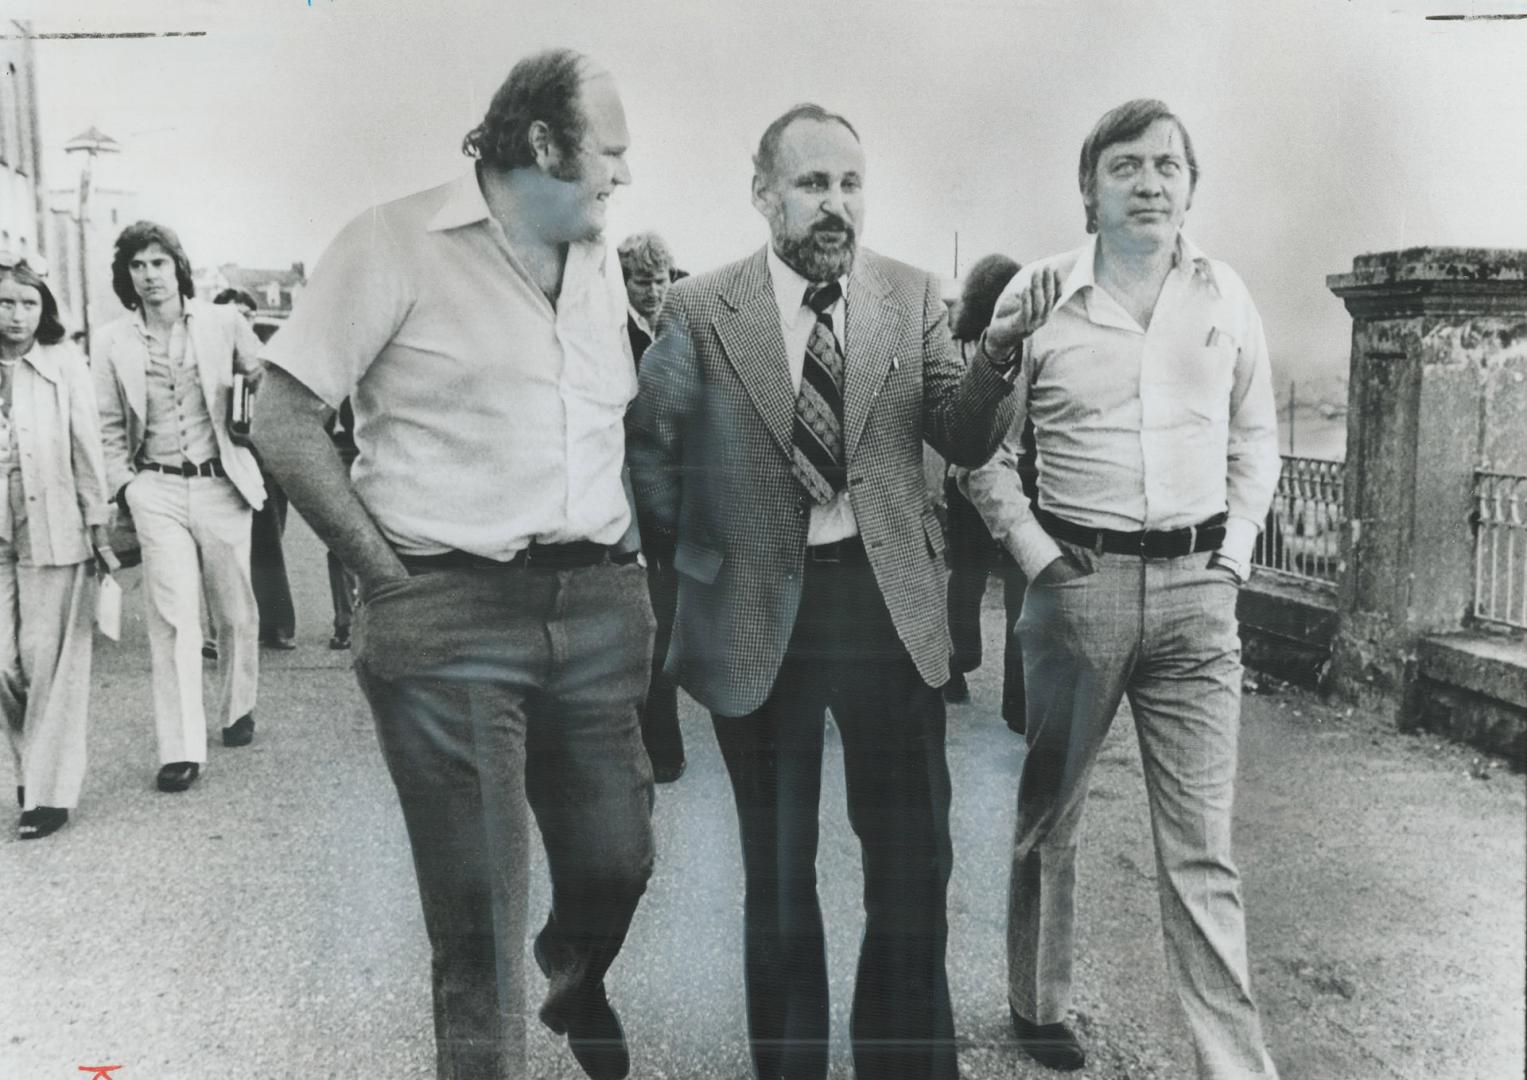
x=265, y=926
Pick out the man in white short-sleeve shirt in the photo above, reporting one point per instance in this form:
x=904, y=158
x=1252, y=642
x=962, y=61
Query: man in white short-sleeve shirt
x=504, y=634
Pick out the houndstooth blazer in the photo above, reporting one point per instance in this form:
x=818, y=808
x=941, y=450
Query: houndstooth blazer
x=709, y=448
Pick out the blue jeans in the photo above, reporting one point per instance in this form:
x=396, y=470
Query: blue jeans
x=490, y=689
x=1164, y=633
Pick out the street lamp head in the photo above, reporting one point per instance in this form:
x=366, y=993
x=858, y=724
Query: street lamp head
x=92, y=141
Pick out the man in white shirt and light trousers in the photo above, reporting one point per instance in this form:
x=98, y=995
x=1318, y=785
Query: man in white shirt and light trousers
x=1147, y=380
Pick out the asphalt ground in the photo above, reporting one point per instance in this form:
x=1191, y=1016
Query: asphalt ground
x=266, y=924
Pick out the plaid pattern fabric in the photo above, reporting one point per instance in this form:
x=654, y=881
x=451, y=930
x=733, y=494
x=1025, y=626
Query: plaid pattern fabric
x=817, y=438
x=711, y=452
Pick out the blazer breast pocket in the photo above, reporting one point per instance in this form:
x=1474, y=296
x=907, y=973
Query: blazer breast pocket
x=701, y=564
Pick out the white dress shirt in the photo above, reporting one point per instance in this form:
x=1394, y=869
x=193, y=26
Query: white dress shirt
x=485, y=417
x=834, y=520
x=1155, y=428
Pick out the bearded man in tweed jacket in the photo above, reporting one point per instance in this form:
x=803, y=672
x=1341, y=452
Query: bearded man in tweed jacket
x=778, y=438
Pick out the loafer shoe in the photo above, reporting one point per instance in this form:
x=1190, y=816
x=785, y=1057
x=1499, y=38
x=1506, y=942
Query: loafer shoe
x=666, y=773
x=340, y=640
x=1052, y=1045
x=957, y=690
x=593, y=1031
x=240, y=732
x=177, y=775
x=283, y=642
x=42, y=821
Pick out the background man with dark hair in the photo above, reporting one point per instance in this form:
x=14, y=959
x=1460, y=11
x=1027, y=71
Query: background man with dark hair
x=164, y=376
x=1150, y=394
x=504, y=635
x=267, y=562
x=778, y=437
x=647, y=266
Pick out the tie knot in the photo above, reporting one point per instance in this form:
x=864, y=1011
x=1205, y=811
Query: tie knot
x=821, y=297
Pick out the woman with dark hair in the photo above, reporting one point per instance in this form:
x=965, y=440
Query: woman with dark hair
x=53, y=516
x=972, y=551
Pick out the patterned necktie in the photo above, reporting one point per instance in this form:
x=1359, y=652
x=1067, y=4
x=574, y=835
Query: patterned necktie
x=817, y=453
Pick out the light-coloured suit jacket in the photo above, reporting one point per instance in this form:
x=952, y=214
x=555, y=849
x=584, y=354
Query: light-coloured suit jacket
x=709, y=443
x=221, y=343
x=54, y=414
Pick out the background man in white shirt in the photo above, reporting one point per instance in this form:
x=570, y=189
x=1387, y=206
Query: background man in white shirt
x=1148, y=384
x=504, y=634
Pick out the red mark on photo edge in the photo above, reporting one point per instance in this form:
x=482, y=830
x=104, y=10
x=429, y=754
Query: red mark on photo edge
x=100, y=1072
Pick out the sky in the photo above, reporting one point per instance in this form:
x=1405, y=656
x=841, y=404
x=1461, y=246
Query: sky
x=1323, y=130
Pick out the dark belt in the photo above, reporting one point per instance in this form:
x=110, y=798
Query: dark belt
x=1207, y=535
x=570, y=556
x=214, y=467
x=848, y=550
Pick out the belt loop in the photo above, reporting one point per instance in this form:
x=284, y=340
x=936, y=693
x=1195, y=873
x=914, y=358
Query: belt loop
x=1192, y=539
x=1097, y=544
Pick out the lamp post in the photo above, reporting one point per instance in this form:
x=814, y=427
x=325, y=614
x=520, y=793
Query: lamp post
x=90, y=143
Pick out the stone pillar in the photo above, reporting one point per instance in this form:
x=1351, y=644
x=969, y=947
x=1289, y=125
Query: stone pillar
x=1438, y=389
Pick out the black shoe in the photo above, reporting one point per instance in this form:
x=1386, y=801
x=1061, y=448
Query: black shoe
x=209, y=650
x=667, y=774
x=42, y=821
x=240, y=732
x=1052, y=1045
x=593, y=1031
x=177, y=775
x=957, y=690
x=284, y=642
x=340, y=640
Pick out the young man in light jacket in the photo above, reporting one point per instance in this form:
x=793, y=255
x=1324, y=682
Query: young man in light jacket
x=164, y=378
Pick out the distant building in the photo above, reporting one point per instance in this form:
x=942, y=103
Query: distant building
x=22, y=217
x=274, y=291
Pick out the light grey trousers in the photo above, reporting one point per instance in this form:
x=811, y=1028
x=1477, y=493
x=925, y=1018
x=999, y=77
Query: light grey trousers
x=47, y=618
x=1164, y=633
x=195, y=535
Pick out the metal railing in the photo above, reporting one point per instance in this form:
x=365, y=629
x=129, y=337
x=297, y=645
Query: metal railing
x=1302, y=536
x=1500, y=548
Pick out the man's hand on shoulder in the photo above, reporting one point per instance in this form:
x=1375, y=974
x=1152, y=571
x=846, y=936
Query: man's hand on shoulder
x=1019, y=314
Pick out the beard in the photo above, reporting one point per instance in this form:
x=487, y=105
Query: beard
x=816, y=259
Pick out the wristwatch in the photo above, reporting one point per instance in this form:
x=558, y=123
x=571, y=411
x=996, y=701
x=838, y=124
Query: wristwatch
x=1001, y=365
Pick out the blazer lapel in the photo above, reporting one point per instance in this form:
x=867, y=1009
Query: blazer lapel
x=755, y=346
x=867, y=348
x=132, y=369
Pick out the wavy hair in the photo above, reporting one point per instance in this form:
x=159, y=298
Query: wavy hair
x=136, y=237
x=544, y=87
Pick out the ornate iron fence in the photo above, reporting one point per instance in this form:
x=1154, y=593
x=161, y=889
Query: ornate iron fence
x=1301, y=538
x=1500, y=548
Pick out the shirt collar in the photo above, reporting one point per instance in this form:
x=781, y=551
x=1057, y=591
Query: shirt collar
x=1185, y=253
x=463, y=205
x=790, y=288
x=140, y=316
x=640, y=320
x=41, y=359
